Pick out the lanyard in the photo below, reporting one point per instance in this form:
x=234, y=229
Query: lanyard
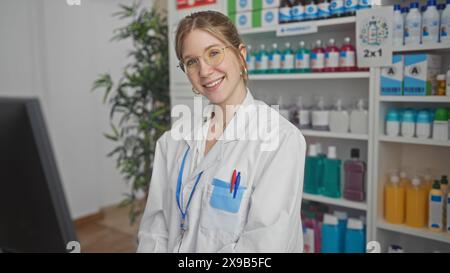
x=179, y=182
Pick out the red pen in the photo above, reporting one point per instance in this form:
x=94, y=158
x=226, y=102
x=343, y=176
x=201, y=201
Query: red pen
x=233, y=180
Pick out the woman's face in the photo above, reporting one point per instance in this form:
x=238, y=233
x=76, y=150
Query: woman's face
x=221, y=83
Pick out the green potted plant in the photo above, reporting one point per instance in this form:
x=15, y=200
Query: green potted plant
x=139, y=102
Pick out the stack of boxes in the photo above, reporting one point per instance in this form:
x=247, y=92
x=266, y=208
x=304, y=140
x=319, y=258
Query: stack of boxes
x=247, y=14
x=411, y=75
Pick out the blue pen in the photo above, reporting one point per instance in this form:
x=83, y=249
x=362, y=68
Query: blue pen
x=236, y=186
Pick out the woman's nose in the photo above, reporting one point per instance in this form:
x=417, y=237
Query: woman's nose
x=205, y=69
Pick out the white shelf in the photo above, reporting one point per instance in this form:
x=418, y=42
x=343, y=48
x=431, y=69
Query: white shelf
x=417, y=141
x=418, y=232
x=332, y=23
x=326, y=134
x=310, y=76
x=335, y=201
x=436, y=99
x=428, y=47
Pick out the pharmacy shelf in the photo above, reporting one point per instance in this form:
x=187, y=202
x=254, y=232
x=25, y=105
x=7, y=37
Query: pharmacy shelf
x=335, y=201
x=311, y=76
x=418, y=232
x=434, y=99
x=326, y=134
x=429, y=47
x=430, y=142
x=322, y=24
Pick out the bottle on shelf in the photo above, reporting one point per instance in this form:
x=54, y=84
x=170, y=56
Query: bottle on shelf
x=413, y=25
x=284, y=12
x=301, y=115
x=394, y=201
x=302, y=58
x=435, y=207
x=445, y=24
x=447, y=79
x=441, y=85
x=448, y=213
x=404, y=179
x=313, y=165
x=416, y=204
x=347, y=57
x=275, y=59
x=262, y=60
x=440, y=125
x=287, y=59
x=355, y=170
x=359, y=119
x=355, y=238
x=331, y=57
x=337, y=8
x=408, y=125
x=332, y=174
x=330, y=234
x=342, y=227
x=339, y=119
x=283, y=109
x=250, y=60
x=393, y=123
x=323, y=7
x=309, y=232
x=430, y=23
x=320, y=116
x=318, y=57
x=423, y=125
x=398, y=34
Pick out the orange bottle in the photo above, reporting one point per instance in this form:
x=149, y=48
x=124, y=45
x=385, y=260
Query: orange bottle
x=394, y=201
x=404, y=180
x=416, y=204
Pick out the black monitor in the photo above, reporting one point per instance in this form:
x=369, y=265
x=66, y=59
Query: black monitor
x=34, y=216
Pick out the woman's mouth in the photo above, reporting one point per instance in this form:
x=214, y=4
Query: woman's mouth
x=213, y=86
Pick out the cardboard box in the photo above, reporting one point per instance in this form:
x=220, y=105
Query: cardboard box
x=392, y=77
x=269, y=17
x=252, y=19
x=420, y=74
x=235, y=6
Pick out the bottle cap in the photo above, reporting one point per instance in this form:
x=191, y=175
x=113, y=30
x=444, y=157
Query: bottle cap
x=354, y=153
x=331, y=41
x=397, y=7
x=353, y=223
x=341, y=215
x=436, y=185
x=415, y=182
x=331, y=152
x=441, y=114
x=431, y=3
x=440, y=77
x=329, y=219
x=402, y=174
x=414, y=5
x=312, y=150
x=347, y=40
x=319, y=148
x=318, y=42
x=408, y=116
x=302, y=43
x=444, y=180
x=423, y=117
x=392, y=115
x=287, y=45
x=394, y=179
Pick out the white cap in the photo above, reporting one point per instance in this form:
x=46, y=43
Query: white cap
x=415, y=182
x=403, y=174
x=329, y=219
x=394, y=179
x=363, y=219
x=312, y=150
x=353, y=223
x=331, y=152
x=319, y=148
x=440, y=77
x=341, y=215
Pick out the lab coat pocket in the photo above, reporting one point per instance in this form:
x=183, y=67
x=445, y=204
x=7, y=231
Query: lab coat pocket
x=221, y=197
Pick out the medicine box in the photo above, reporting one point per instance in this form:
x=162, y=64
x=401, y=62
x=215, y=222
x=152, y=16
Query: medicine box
x=392, y=77
x=420, y=74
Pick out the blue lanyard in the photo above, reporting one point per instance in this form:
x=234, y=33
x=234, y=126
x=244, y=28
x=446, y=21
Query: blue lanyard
x=179, y=182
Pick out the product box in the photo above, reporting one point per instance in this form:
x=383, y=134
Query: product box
x=253, y=19
x=392, y=77
x=420, y=74
x=269, y=17
x=235, y=6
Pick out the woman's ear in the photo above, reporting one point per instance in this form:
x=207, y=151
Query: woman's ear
x=243, y=51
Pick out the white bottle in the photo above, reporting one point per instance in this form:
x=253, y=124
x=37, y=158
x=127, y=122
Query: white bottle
x=339, y=119
x=440, y=125
x=359, y=119
x=282, y=109
x=447, y=81
x=408, y=125
x=393, y=123
x=413, y=25
x=423, y=125
x=301, y=115
x=320, y=116
x=430, y=23
x=398, y=26
x=445, y=24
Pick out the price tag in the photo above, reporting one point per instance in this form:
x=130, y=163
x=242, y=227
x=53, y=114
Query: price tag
x=296, y=29
x=374, y=36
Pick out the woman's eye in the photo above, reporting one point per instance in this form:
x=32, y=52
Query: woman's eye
x=191, y=62
x=213, y=53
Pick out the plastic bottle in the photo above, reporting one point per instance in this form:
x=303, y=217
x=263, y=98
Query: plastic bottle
x=398, y=27
x=284, y=14
x=359, y=119
x=347, y=56
x=309, y=233
x=288, y=59
x=342, y=227
x=355, y=238
x=331, y=57
x=416, y=204
x=364, y=4
x=404, y=179
x=440, y=125
x=339, y=119
x=423, y=125
x=311, y=11
x=392, y=123
x=405, y=11
x=275, y=59
x=262, y=60
x=444, y=189
x=441, y=85
x=445, y=24
x=337, y=8
x=301, y=115
x=435, y=207
x=332, y=174
x=323, y=7
x=330, y=234
x=320, y=116
x=302, y=59
x=284, y=112
x=430, y=23
x=448, y=213
x=297, y=11
x=318, y=57
x=322, y=157
x=428, y=181
x=413, y=25
x=312, y=166
x=444, y=184
x=350, y=7
x=394, y=201
x=355, y=170
x=250, y=60
x=408, y=125
x=447, y=79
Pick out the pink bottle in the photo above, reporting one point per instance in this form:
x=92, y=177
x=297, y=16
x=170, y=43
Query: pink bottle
x=347, y=57
x=355, y=171
x=318, y=57
x=331, y=57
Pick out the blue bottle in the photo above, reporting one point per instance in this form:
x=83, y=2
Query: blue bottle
x=355, y=238
x=342, y=226
x=330, y=235
x=331, y=174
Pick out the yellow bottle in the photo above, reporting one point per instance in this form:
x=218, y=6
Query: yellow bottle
x=428, y=182
x=404, y=180
x=416, y=204
x=394, y=201
x=435, y=220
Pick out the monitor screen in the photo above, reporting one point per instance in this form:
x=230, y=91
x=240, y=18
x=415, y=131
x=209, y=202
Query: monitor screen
x=34, y=216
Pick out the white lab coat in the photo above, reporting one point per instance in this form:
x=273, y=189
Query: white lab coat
x=268, y=217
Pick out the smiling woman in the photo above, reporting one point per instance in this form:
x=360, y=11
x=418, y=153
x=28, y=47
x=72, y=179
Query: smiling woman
x=224, y=192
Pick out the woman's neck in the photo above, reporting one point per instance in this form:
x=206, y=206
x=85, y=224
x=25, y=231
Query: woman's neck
x=229, y=107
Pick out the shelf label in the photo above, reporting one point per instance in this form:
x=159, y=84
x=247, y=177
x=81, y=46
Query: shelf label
x=296, y=29
x=374, y=36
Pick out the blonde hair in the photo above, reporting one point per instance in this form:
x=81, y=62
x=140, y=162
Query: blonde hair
x=216, y=24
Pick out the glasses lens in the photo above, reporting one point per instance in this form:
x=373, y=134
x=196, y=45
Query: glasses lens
x=214, y=56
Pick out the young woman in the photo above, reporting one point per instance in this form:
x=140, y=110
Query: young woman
x=224, y=192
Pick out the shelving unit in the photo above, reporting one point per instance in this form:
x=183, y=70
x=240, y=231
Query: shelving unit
x=326, y=134
x=417, y=232
x=335, y=201
x=434, y=99
x=416, y=141
x=311, y=76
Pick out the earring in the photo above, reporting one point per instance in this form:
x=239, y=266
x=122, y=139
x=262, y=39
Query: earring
x=244, y=72
x=195, y=92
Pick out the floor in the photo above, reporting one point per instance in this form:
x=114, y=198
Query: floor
x=107, y=232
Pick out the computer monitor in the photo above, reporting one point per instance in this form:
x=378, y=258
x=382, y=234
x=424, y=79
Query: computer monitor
x=34, y=216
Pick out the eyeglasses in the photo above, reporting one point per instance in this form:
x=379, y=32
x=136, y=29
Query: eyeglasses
x=212, y=56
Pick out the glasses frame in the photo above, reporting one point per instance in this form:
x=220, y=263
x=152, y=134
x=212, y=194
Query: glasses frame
x=183, y=68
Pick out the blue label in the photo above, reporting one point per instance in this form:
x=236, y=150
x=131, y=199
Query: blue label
x=364, y=4
x=351, y=5
x=242, y=20
x=337, y=7
x=436, y=198
x=269, y=1
x=343, y=54
x=299, y=56
x=269, y=17
x=242, y=3
x=313, y=55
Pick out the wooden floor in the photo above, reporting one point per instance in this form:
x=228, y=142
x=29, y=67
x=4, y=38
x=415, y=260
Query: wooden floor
x=109, y=231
